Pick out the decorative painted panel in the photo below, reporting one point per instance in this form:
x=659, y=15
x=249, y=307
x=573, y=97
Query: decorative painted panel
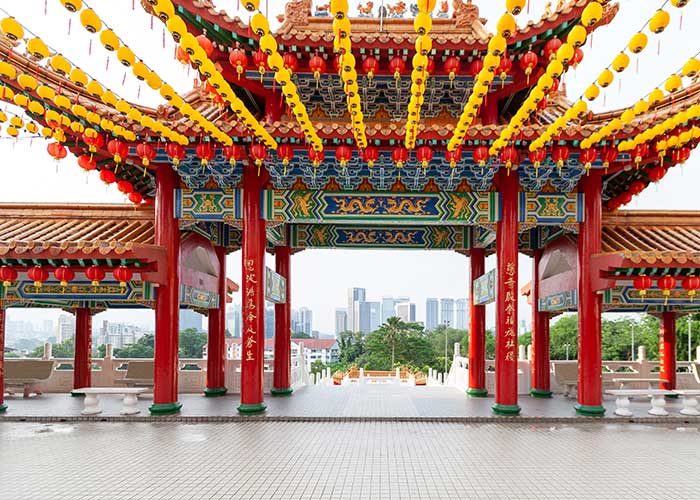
x=214, y=205
x=628, y=295
x=342, y=236
x=201, y=299
x=559, y=302
x=275, y=287
x=52, y=293
x=485, y=288
x=550, y=208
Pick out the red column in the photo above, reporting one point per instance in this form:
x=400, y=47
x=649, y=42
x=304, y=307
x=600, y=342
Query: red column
x=216, y=341
x=253, y=348
x=667, y=350
x=590, y=374
x=281, y=385
x=489, y=111
x=82, y=361
x=507, y=297
x=477, y=329
x=540, y=337
x=3, y=406
x=167, y=234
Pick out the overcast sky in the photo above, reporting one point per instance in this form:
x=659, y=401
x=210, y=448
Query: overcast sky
x=320, y=278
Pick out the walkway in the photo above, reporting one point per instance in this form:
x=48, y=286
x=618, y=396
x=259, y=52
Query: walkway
x=353, y=461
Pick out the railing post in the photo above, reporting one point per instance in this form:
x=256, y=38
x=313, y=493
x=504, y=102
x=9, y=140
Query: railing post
x=47, y=351
x=456, y=350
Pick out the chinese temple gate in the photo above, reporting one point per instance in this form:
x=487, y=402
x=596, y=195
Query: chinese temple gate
x=418, y=130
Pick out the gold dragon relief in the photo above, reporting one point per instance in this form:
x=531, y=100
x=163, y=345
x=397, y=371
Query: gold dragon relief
x=459, y=206
x=302, y=204
x=319, y=235
x=399, y=237
x=406, y=206
x=362, y=236
x=359, y=205
x=440, y=237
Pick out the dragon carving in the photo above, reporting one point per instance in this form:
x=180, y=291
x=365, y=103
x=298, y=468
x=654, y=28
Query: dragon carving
x=302, y=204
x=460, y=206
x=406, y=206
x=297, y=12
x=355, y=205
x=465, y=14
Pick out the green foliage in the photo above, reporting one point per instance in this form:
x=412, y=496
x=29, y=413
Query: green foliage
x=143, y=348
x=192, y=342
x=317, y=366
x=65, y=349
x=300, y=335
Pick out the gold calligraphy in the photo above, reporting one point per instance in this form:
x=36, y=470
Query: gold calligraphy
x=250, y=314
x=510, y=283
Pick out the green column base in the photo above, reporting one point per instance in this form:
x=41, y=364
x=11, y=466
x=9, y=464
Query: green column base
x=672, y=396
x=589, y=411
x=287, y=391
x=77, y=394
x=165, y=409
x=540, y=393
x=253, y=409
x=3, y=408
x=506, y=410
x=477, y=393
x=213, y=392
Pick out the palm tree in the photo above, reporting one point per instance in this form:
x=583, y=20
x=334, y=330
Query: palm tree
x=394, y=328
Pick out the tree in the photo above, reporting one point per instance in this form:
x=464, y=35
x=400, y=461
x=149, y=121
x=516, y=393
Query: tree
x=351, y=346
x=142, y=348
x=300, y=335
x=192, y=342
x=392, y=330
x=65, y=349
x=317, y=366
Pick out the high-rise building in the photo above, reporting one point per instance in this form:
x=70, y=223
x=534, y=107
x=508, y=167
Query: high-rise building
x=119, y=334
x=234, y=320
x=190, y=319
x=306, y=316
x=375, y=314
x=269, y=322
x=431, y=314
x=362, y=316
x=462, y=314
x=389, y=306
x=406, y=311
x=354, y=295
x=341, y=320
x=447, y=312
x=66, y=328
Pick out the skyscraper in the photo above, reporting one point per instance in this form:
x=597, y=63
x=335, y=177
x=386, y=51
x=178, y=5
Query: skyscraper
x=354, y=295
x=190, y=319
x=341, y=320
x=306, y=320
x=447, y=312
x=375, y=314
x=431, y=313
x=362, y=315
x=406, y=311
x=462, y=314
x=389, y=307
x=66, y=328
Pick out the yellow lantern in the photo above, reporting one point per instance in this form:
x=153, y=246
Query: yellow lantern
x=339, y=8
x=591, y=14
x=62, y=102
x=21, y=100
x=140, y=70
x=641, y=107
x=627, y=116
x=259, y=24
x=577, y=36
x=565, y=53
x=31, y=127
x=106, y=124
x=109, y=98
x=7, y=71
x=691, y=68
x=515, y=7
x=77, y=127
x=251, y=5
x=491, y=62
x=605, y=78
x=90, y=21
x=27, y=82
x=673, y=83
x=12, y=131
x=72, y=5
x=621, y=62
x=153, y=80
x=659, y=21
x=424, y=44
x=123, y=107
x=679, y=3
x=655, y=96
x=268, y=44
x=580, y=107
x=555, y=68
x=60, y=64
x=6, y=93
x=95, y=89
x=592, y=92
x=93, y=118
x=16, y=121
x=37, y=49
x=506, y=25
x=79, y=110
x=125, y=56
x=545, y=82
x=422, y=24
x=177, y=28
x=164, y=9
x=638, y=43
x=35, y=107
x=497, y=45
x=12, y=29
x=109, y=40
x=78, y=77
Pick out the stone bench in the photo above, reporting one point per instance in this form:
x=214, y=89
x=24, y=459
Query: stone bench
x=689, y=401
x=27, y=374
x=624, y=381
x=92, y=402
x=622, y=403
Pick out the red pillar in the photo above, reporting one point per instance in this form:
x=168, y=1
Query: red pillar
x=281, y=385
x=507, y=297
x=3, y=406
x=253, y=349
x=489, y=111
x=216, y=340
x=540, y=337
x=167, y=234
x=590, y=374
x=477, y=329
x=667, y=350
x=82, y=361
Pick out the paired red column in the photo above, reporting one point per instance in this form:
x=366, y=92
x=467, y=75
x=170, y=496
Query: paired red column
x=3, y=406
x=167, y=235
x=281, y=385
x=216, y=342
x=477, y=329
x=667, y=350
x=82, y=360
x=590, y=374
x=507, y=297
x=253, y=348
x=540, y=337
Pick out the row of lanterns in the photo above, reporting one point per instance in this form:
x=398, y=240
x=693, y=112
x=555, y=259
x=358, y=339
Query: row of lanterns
x=666, y=284
x=65, y=275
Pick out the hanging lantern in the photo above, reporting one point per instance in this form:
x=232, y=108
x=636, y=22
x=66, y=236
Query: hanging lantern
x=509, y=157
x=370, y=155
x=640, y=152
x=638, y=42
x=125, y=187
x=87, y=163
x=691, y=284
x=592, y=14
x=587, y=157
x=504, y=69
x=343, y=154
x=659, y=22
x=506, y=25
x=528, y=61
x=175, y=151
x=475, y=67
x=577, y=57
x=637, y=187
x=642, y=283
x=560, y=154
x=12, y=29
x=123, y=275
x=315, y=156
x=625, y=198
x=260, y=61
x=536, y=157
x=95, y=274
x=666, y=284
x=57, y=150
x=234, y=153
x=608, y=155
x=370, y=66
x=93, y=140
x=656, y=174
x=551, y=48
x=38, y=275
x=135, y=197
x=480, y=156
x=318, y=66
x=205, y=153
x=453, y=156
x=399, y=156
x=146, y=152
x=107, y=176
x=397, y=66
x=452, y=68
x=7, y=275
x=424, y=155
x=238, y=60
x=285, y=153
x=64, y=274
x=182, y=56
x=118, y=149
x=259, y=154
x=206, y=45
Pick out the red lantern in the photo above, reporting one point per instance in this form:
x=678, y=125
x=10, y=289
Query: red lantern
x=452, y=64
x=260, y=61
x=318, y=66
x=504, y=69
x=528, y=61
x=285, y=153
x=666, y=284
x=481, y=155
x=587, y=157
x=637, y=187
x=642, y=283
x=123, y=275
x=625, y=198
x=475, y=67
x=370, y=66
x=551, y=48
x=57, y=150
x=290, y=62
x=577, y=58
x=682, y=154
x=205, y=153
x=206, y=45
x=397, y=66
x=94, y=142
x=176, y=152
x=537, y=157
x=233, y=153
x=64, y=274
x=87, y=163
x=146, y=152
x=555, y=86
x=181, y=55
x=95, y=274
x=370, y=155
x=608, y=155
x=656, y=174
x=316, y=157
x=238, y=60
x=454, y=156
x=107, y=176
x=424, y=155
x=510, y=157
x=38, y=275
x=118, y=149
x=400, y=156
x=125, y=187
x=430, y=67
x=640, y=152
x=343, y=154
x=560, y=154
x=691, y=284
x=259, y=153
x=135, y=197
x=7, y=275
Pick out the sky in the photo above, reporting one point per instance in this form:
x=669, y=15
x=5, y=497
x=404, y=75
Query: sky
x=320, y=278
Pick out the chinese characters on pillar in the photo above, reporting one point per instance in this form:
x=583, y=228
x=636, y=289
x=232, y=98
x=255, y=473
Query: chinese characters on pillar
x=510, y=306
x=250, y=313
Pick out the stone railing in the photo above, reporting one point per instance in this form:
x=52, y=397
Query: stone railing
x=192, y=374
x=458, y=375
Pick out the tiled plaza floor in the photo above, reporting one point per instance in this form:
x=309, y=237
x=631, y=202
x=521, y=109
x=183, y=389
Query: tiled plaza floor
x=353, y=461
x=333, y=402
